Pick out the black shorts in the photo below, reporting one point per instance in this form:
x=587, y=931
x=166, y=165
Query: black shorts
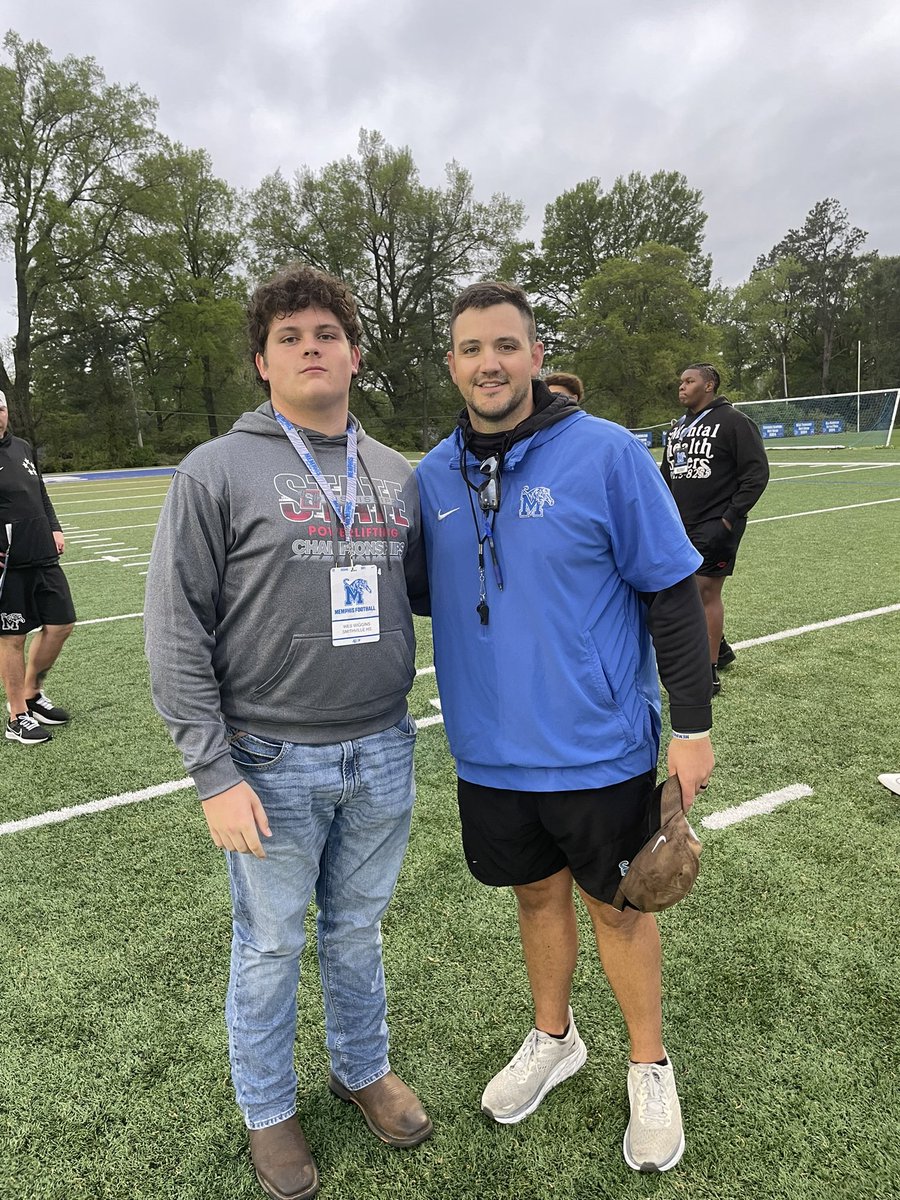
x=34, y=596
x=512, y=838
x=718, y=544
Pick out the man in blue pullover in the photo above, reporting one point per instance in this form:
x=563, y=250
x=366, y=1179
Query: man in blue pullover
x=557, y=565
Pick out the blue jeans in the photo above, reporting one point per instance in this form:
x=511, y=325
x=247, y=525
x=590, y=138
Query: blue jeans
x=340, y=817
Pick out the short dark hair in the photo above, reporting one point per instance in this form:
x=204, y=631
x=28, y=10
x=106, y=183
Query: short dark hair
x=292, y=289
x=564, y=380
x=491, y=292
x=708, y=371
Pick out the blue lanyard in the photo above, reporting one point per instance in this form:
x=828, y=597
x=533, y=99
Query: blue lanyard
x=681, y=434
x=349, y=511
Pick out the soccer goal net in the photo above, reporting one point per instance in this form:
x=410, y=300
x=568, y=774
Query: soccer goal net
x=849, y=419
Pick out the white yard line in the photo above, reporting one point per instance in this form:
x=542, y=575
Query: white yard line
x=94, y=512
x=57, y=816
x=74, y=531
x=789, y=633
x=104, y=620
x=95, y=498
x=837, y=470
x=754, y=808
x=815, y=512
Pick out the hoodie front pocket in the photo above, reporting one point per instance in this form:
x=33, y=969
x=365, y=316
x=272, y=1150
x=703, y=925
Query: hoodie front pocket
x=317, y=682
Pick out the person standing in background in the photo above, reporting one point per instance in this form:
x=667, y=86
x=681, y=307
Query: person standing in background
x=34, y=592
x=716, y=467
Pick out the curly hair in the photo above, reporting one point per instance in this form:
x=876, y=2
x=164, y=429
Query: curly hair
x=491, y=292
x=295, y=287
x=564, y=379
x=708, y=372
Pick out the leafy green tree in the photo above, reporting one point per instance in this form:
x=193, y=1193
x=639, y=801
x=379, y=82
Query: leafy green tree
x=879, y=309
x=639, y=321
x=159, y=332
x=183, y=263
x=760, y=325
x=68, y=144
x=827, y=249
x=585, y=226
x=404, y=249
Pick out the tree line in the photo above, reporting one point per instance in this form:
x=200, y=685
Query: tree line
x=133, y=263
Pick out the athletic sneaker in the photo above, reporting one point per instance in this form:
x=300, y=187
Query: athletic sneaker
x=43, y=709
x=25, y=729
x=727, y=655
x=540, y=1064
x=891, y=782
x=654, y=1139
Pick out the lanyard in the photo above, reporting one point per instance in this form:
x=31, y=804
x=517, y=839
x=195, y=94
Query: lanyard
x=486, y=525
x=681, y=434
x=349, y=511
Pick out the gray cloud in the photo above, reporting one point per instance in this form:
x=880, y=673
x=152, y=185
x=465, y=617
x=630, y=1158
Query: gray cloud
x=765, y=106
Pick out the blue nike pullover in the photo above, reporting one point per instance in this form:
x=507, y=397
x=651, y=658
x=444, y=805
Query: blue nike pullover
x=558, y=691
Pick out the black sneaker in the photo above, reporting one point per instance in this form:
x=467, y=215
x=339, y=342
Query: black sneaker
x=717, y=682
x=43, y=709
x=25, y=729
x=726, y=655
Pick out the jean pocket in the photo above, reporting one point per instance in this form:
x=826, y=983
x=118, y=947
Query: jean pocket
x=406, y=728
x=255, y=753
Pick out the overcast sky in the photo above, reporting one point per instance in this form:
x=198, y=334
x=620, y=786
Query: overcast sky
x=767, y=106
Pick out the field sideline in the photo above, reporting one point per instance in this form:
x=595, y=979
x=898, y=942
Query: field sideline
x=781, y=1003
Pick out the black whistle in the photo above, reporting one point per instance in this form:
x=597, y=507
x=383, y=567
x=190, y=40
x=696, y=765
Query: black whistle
x=483, y=612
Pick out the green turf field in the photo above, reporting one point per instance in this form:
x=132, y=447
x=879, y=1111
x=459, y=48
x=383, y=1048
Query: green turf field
x=781, y=969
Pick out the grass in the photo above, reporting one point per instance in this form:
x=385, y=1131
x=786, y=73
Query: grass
x=781, y=985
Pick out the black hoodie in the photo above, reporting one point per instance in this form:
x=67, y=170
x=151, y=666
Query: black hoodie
x=715, y=464
x=27, y=519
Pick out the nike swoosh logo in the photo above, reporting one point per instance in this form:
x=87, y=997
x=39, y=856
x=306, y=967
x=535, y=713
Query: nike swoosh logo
x=661, y=840
x=448, y=513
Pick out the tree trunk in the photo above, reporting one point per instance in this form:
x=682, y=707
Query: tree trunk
x=209, y=400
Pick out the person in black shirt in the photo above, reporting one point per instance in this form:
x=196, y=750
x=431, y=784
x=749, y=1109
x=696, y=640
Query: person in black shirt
x=716, y=466
x=34, y=592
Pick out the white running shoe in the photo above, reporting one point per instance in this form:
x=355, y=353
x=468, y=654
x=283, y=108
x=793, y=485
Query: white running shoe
x=891, y=782
x=654, y=1139
x=540, y=1064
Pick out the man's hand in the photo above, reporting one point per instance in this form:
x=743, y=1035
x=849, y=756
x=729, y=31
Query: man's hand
x=236, y=818
x=60, y=541
x=692, y=761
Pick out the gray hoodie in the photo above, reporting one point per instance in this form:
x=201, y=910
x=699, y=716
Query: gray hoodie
x=238, y=606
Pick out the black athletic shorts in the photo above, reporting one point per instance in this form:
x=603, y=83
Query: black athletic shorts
x=718, y=544
x=512, y=837
x=35, y=596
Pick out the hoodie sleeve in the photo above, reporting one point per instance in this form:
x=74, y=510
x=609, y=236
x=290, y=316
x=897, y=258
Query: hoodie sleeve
x=751, y=468
x=184, y=582
x=677, y=626
x=414, y=561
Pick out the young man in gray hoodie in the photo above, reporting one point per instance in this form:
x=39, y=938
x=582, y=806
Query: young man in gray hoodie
x=281, y=651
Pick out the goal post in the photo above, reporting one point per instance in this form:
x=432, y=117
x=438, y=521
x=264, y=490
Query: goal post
x=847, y=419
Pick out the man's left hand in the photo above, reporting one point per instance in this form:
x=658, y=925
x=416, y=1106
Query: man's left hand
x=60, y=541
x=692, y=761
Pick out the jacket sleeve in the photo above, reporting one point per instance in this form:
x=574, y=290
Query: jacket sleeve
x=751, y=468
x=50, y=510
x=181, y=612
x=414, y=561
x=677, y=626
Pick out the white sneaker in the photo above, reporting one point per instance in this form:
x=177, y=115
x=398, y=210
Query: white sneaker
x=891, y=782
x=654, y=1139
x=540, y=1064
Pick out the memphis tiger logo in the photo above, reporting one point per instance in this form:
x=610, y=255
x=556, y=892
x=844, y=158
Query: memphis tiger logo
x=10, y=622
x=533, y=501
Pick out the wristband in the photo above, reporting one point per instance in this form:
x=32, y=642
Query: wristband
x=691, y=737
